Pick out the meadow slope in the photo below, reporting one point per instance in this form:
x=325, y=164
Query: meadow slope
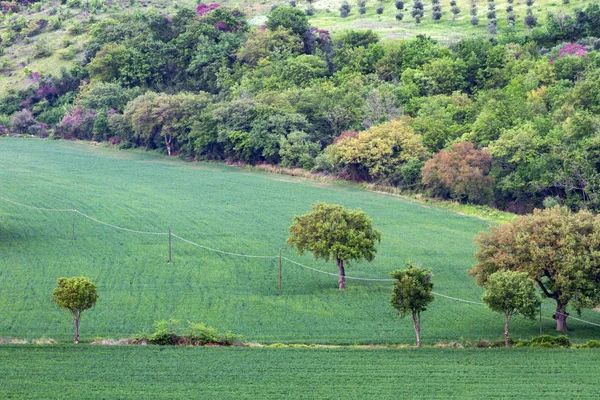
x=233, y=210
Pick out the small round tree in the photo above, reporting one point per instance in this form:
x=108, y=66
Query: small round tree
x=76, y=294
x=417, y=11
x=379, y=9
x=399, y=16
x=331, y=231
x=530, y=20
x=412, y=293
x=344, y=9
x=399, y=5
x=454, y=9
x=511, y=293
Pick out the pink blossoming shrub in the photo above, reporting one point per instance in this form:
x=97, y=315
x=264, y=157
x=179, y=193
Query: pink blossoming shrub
x=77, y=124
x=572, y=49
x=206, y=8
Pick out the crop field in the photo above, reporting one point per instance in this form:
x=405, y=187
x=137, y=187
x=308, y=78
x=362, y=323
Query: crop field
x=233, y=210
x=85, y=371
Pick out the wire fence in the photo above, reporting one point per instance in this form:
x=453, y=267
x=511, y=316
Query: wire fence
x=169, y=233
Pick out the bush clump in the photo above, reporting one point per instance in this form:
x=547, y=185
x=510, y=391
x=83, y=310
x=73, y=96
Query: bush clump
x=550, y=341
x=172, y=333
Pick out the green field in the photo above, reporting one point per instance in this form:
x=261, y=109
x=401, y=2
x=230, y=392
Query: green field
x=84, y=371
x=233, y=210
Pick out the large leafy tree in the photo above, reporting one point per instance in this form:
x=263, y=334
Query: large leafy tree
x=511, y=293
x=331, y=231
x=558, y=249
x=412, y=293
x=76, y=294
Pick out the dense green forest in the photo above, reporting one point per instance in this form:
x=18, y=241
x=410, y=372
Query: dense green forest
x=510, y=120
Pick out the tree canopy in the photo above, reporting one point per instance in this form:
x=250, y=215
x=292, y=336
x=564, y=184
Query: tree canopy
x=331, y=231
x=76, y=294
x=556, y=248
x=511, y=293
x=412, y=293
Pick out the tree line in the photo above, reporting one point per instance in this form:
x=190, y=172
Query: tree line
x=554, y=250
x=511, y=122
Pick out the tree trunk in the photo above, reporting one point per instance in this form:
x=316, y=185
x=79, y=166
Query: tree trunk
x=342, y=280
x=76, y=319
x=560, y=316
x=417, y=324
x=506, y=338
x=168, y=144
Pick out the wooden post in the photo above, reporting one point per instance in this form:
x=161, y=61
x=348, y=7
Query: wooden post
x=170, y=259
x=279, y=275
x=541, y=333
x=73, y=225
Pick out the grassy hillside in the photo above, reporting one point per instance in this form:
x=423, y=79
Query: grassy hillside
x=225, y=208
x=70, y=372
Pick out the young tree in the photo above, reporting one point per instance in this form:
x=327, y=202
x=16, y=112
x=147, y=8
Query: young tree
x=344, y=9
x=417, y=11
x=557, y=249
x=511, y=293
x=412, y=294
x=332, y=231
x=76, y=294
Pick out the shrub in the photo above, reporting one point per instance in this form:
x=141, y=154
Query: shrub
x=76, y=28
x=529, y=3
x=68, y=53
x=362, y=10
x=399, y=4
x=42, y=48
x=592, y=344
x=77, y=124
x=474, y=20
x=379, y=9
x=551, y=341
x=21, y=121
x=399, y=16
x=310, y=11
x=195, y=334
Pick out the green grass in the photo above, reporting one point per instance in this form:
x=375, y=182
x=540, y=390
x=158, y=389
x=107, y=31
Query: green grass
x=446, y=29
x=84, y=371
x=234, y=210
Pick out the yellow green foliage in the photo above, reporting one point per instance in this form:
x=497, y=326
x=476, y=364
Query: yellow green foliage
x=380, y=149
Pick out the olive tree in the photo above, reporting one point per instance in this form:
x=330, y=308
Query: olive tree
x=511, y=293
x=412, y=293
x=331, y=231
x=76, y=294
x=559, y=251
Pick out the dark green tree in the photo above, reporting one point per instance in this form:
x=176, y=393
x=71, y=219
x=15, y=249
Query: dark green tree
x=412, y=293
x=290, y=18
x=330, y=230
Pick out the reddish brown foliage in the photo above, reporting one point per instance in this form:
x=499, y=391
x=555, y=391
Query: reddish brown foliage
x=461, y=173
x=345, y=135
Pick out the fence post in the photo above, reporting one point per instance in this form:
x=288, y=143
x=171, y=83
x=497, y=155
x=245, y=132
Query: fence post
x=279, y=275
x=170, y=259
x=73, y=224
x=541, y=333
